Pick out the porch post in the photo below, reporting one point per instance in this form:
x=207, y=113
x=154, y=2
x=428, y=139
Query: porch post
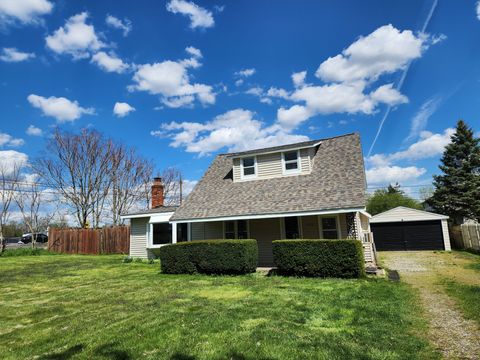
x=174, y=232
x=189, y=231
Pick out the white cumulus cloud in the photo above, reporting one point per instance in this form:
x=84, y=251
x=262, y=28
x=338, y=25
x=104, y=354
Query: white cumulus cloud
x=194, y=51
x=24, y=11
x=384, y=168
x=11, y=160
x=109, y=62
x=8, y=140
x=392, y=174
x=199, y=17
x=386, y=50
x=122, y=109
x=60, y=108
x=245, y=72
x=171, y=80
x=34, y=131
x=235, y=130
x=14, y=55
x=350, y=79
x=76, y=38
x=125, y=25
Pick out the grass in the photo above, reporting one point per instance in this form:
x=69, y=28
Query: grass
x=467, y=297
x=26, y=251
x=83, y=307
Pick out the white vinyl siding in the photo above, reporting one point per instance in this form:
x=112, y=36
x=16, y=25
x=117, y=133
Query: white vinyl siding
x=446, y=235
x=138, y=237
x=270, y=166
x=405, y=214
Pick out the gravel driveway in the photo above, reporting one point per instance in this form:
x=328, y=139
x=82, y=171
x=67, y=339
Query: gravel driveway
x=449, y=331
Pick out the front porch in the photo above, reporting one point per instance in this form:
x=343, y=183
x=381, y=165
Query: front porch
x=335, y=225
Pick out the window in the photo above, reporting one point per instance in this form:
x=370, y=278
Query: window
x=229, y=229
x=236, y=229
x=329, y=228
x=242, y=232
x=291, y=228
x=162, y=233
x=248, y=167
x=182, y=232
x=290, y=162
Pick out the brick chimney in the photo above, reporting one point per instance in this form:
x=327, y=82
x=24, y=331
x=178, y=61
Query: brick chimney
x=157, y=193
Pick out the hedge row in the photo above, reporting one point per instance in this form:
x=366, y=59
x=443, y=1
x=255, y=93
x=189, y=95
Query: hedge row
x=319, y=258
x=210, y=257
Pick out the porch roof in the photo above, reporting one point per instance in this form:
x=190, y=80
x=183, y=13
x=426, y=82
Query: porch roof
x=337, y=181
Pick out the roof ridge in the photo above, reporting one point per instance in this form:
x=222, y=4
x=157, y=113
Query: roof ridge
x=292, y=144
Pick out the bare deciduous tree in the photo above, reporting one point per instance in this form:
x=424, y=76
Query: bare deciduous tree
x=9, y=175
x=171, y=178
x=128, y=178
x=95, y=176
x=77, y=166
x=30, y=199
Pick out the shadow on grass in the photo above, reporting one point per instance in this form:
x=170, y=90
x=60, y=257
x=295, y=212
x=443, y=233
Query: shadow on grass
x=180, y=356
x=66, y=354
x=110, y=351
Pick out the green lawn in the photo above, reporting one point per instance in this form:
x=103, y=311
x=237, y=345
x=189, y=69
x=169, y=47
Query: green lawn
x=83, y=307
x=467, y=297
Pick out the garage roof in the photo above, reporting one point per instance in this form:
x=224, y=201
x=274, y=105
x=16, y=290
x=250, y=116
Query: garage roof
x=402, y=213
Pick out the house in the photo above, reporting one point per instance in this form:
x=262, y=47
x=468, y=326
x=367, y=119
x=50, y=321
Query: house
x=403, y=228
x=313, y=189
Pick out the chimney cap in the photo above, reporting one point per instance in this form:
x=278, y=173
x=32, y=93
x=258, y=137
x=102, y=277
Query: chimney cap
x=157, y=179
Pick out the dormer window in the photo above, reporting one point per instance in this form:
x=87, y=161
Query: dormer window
x=249, y=167
x=291, y=162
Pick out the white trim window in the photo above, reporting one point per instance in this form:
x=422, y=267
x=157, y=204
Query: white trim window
x=248, y=167
x=235, y=229
x=329, y=227
x=291, y=162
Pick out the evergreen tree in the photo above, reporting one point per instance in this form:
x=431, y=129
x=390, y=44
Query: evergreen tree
x=457, y=189
x=389, y=198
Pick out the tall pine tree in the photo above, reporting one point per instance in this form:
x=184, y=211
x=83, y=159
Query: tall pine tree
x=457, y=189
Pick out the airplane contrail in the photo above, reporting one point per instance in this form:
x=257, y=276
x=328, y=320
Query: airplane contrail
x=402, y=80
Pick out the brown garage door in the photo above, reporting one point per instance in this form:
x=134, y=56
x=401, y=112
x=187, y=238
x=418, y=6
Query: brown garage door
x=413, y=235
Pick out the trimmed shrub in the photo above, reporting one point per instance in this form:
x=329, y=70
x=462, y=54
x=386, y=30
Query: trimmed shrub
x=210, y=257
x=319, y=258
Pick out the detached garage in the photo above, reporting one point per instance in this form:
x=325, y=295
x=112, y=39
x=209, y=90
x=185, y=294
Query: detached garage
x=403, y=228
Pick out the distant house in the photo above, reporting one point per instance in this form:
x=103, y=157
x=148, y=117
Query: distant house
x=313, y=189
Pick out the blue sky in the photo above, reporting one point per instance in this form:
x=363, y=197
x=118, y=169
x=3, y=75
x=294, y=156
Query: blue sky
x=193, y=79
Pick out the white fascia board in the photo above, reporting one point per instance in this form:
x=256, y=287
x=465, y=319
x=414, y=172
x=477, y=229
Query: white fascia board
x=135, y=216
x=269, y=216
x=366, y=214
x=160, y=217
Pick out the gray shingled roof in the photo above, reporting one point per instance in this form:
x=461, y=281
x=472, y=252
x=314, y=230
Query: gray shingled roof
x=337, y=181
x=276, y=148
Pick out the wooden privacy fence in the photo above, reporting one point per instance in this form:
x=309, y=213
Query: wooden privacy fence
x=466, y=236
x=108, y=240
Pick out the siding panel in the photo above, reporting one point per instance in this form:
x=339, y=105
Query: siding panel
x=198, y=231
x=214, y=230
x=270, y=165
x=264, y=231
x=138, y=238
x=310, y=227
